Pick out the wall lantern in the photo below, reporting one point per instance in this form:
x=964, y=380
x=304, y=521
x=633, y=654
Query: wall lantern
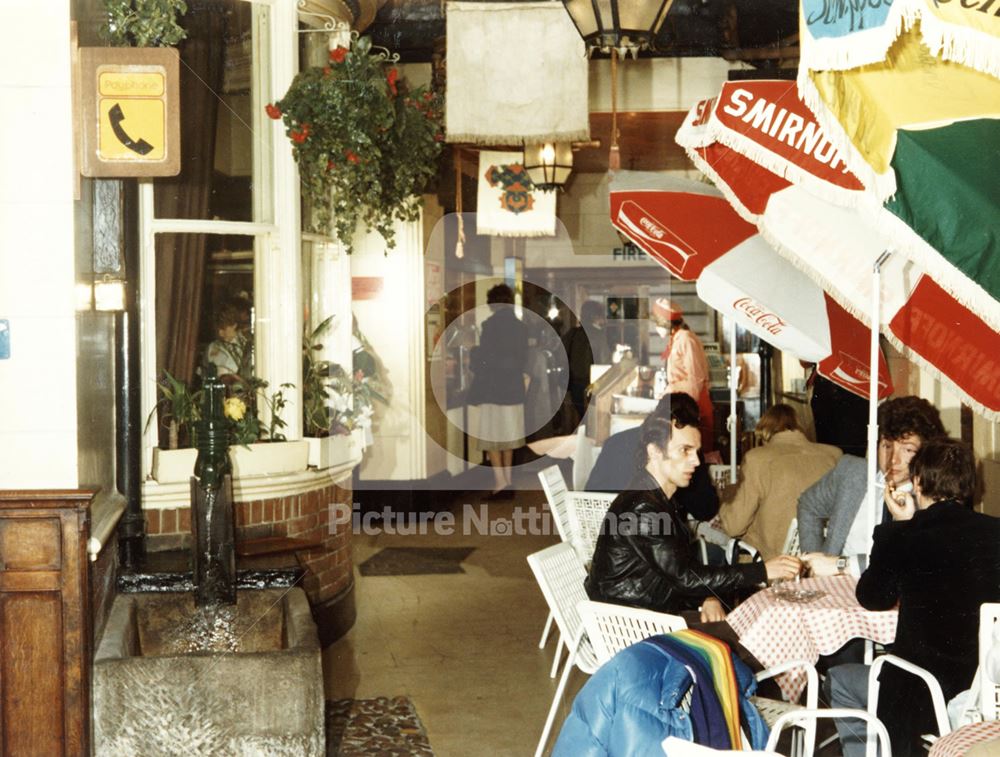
x=623, y=25
x=109, y=293
x=548, y=164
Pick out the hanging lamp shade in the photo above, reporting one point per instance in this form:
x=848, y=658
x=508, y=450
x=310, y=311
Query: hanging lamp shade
x=625, y=25
x=548, y=164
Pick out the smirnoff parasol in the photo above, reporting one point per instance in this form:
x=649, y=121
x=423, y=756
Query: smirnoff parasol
x=837, y=244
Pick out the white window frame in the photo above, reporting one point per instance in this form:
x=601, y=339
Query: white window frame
x=277, y=254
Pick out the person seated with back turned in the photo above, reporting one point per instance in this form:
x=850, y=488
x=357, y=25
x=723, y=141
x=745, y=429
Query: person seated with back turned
x=938, y=560
x=644, y=557
x=615, y=465
x=835, y=501
x=760, y=507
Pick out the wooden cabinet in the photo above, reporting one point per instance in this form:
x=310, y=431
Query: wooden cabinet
x=45, y=640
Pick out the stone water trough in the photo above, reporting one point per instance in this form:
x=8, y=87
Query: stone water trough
x=172, y=679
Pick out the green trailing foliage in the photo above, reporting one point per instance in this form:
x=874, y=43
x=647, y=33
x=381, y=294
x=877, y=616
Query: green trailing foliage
x=144, y=23
x=366, y=143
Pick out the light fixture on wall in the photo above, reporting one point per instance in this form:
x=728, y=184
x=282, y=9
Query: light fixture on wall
x=621, y=28
x=625, y=26
x=548, y=164
x=109, y=293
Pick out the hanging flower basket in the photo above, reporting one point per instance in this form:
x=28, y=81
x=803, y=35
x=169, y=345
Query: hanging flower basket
x=366, y=144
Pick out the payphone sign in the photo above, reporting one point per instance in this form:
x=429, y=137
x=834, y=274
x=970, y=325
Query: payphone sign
x=132, y=114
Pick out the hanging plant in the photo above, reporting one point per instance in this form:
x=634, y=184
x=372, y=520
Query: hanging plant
x=143, y=23
x=366, y=144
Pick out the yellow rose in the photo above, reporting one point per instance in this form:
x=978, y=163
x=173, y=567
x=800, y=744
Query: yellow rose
x=234, y=408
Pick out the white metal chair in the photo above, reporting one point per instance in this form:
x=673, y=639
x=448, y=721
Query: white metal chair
x=611, y=628
x=790, y=718
x=985, y=693
x=554, y=486
x=560, y=575
x=584, y=458
x=721, y=475
x=937, y=696
x=989, y=660
x=586, y=514
x=791, y=546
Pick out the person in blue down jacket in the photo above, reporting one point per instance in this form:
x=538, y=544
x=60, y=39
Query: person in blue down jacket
x=632, y=703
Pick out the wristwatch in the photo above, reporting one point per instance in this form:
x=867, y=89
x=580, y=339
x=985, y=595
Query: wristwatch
x=842, y=562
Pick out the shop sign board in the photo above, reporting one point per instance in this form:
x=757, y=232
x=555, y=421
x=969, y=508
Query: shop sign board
x=129, y=111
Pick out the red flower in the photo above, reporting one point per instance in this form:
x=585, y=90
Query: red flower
x=327, y=70
x=391, y=77
x=273, y=111
x=337, y=55
x=428, y=96
x=439, y=137
x=300, y=135
x=330, y=165
x=352, y=156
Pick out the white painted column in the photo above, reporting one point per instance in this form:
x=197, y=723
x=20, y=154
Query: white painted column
x=394, y=324
x=38, y=401
x=277, y=257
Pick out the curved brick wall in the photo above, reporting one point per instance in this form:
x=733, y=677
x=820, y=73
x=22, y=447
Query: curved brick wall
x=311, y=516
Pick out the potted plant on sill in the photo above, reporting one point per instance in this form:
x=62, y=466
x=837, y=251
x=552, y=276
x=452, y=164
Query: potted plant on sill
x=366, y=144
x=256, y=450
x=337, y=405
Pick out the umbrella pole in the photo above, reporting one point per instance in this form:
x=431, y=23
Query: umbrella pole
x=733, y=381
x=874, y=507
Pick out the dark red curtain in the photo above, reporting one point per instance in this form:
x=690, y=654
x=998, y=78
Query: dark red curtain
x=180, y=258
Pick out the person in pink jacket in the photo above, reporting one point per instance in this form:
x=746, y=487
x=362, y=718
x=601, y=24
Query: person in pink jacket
x=686, y=364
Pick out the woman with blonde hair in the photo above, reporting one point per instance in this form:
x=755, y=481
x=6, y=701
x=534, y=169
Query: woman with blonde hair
x=761, y=506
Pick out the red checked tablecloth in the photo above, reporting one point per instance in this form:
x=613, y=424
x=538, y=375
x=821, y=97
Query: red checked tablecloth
x=776, y=630
x=961, y=741
x=957, y=743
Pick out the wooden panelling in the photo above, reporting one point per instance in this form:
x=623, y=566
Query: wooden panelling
x=645, y=142
x=30, y=544
x=45, y=637
x=31, y=703
x=31, y=581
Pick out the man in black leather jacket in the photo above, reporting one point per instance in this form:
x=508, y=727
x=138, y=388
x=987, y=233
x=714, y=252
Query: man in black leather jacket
x=644, y=556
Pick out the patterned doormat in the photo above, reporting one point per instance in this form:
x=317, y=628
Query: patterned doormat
x=382, y=726
x=415, y=561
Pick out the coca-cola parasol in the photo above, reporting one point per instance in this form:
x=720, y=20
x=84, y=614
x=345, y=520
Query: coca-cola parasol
x=692, y=231
x=809, y=215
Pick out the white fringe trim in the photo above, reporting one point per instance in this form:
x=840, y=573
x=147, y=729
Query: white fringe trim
x=865, y=317
x=970, y=47
x=786, y=169
x=830, y=287
x=457, y=6
x=964, y=289
x=826, y=284
x=688, y=136
x=520, y=234
x=727, y=191
x=515, y=140
x=883, y=185
x=925, y=365
x=865, y=47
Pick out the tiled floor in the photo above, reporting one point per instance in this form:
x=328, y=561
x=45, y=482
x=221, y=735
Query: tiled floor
x=462, y=646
